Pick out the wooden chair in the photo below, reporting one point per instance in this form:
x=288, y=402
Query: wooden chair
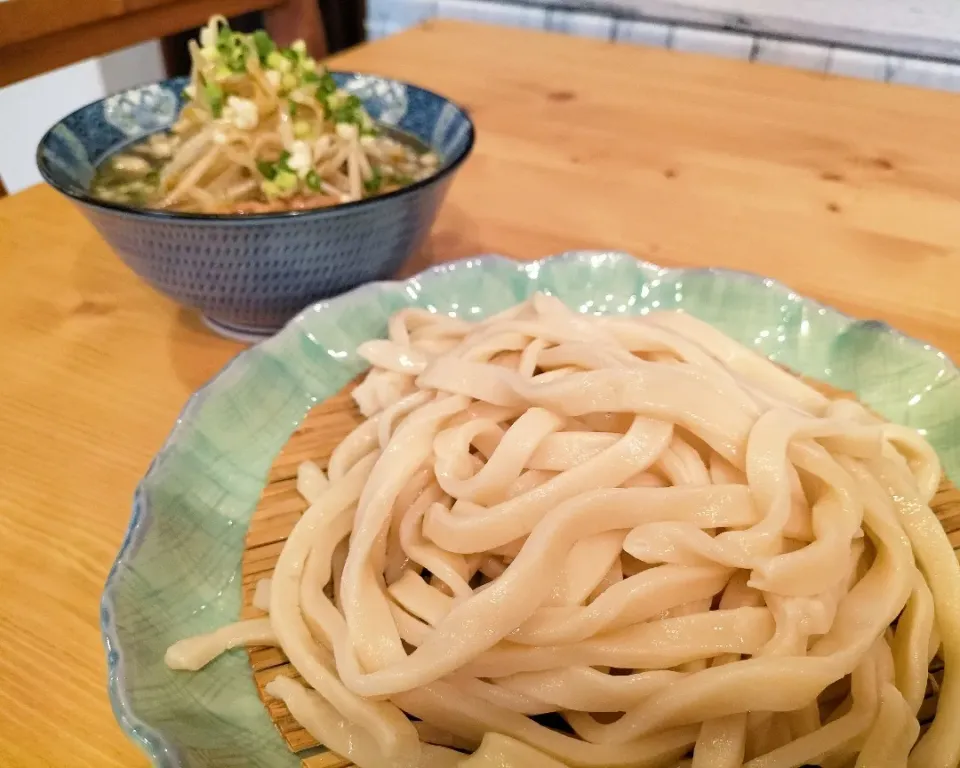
x=37, y=36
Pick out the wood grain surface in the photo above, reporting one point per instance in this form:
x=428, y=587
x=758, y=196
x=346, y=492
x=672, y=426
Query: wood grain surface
x=846, y=190
x=281, y=506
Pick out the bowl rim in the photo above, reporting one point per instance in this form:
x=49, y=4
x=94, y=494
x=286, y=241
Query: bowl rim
x=333, y=210
x=153, y=742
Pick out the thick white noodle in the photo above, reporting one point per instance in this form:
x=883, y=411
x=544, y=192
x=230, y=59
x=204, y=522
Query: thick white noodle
x=681, y=553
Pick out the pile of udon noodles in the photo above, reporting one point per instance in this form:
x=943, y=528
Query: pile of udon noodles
x=678, y=551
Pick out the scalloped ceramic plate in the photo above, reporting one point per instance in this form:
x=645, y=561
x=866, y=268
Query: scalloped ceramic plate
x=178, y=571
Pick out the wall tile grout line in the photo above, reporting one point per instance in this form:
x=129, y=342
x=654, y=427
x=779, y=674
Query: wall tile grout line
x=671, y=36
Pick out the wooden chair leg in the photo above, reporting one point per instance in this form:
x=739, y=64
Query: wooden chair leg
x=298, y=19
x=176, y=58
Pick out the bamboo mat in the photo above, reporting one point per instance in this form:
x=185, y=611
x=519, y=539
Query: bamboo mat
x=281, y=506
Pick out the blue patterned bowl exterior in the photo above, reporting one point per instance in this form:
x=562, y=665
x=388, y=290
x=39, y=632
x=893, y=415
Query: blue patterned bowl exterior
x=250, y=274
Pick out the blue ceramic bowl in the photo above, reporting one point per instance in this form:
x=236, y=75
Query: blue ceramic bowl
x=250, y=274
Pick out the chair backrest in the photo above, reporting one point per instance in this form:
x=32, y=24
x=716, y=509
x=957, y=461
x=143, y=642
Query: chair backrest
x=37, y=36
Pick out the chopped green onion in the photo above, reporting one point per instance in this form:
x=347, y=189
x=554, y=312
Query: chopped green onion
x=267, y=169
x=349, y=111
x=291, y=55
x=214, y=96
x=282, y=163
x=374, y=183
x=276, y=60
x=286, y=181
x=232, y=50
x=328, y=85
x=264, y=45
x=270, y=189
x=292, y=108
x=301, y=129
x=313, y=181
x=367, y=126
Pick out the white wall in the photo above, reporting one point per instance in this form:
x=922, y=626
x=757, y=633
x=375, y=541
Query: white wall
x=899, y=34
x=29, y=108
x=909, y=27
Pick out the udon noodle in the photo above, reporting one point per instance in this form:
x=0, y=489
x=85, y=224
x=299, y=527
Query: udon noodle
x=610, y=542
x=264, y=129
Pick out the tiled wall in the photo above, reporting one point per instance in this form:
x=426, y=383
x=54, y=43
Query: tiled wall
x=387, y=17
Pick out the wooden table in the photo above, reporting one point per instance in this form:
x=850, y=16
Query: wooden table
x=846, y=190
